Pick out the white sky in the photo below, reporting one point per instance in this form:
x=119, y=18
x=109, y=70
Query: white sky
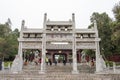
x=32, y=11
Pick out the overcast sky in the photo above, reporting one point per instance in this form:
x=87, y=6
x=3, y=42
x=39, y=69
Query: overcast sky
x=32, y=11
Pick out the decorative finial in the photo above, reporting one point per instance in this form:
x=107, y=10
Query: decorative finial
x=45, y=17
x=45, y=14
x=23, y=22
x=73, y=17
x=73, y=13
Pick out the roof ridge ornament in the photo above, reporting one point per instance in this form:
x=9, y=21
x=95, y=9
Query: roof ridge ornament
x=23, y=24
x=73, y=17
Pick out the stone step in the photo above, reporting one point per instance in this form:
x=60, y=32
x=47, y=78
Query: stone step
x=59, y=72
x=60, y=77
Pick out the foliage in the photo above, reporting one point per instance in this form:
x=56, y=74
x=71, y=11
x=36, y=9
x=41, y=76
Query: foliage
x=8, y=42
x=4, y=30
x=116, y=28
x=116, y=11
x=109, y=63
x=6, y=63
x=2, y=47
x=90, y=53
x=109, y=31
x=105, y=32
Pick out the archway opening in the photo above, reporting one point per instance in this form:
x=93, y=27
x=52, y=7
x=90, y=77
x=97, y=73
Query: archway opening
x=59, y=57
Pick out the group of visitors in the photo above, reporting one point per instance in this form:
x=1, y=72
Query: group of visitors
x=49, y=62
x=31, y=58
x=37, y=60
x=64, y=62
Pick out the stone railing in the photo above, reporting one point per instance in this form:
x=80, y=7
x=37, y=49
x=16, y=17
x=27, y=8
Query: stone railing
x=85, y=39
x=60, y=46
x=32, y=45
x=30, y=39
x=69, y=31
x=58, y=39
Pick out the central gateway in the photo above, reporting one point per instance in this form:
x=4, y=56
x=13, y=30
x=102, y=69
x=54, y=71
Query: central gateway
x=59, y=38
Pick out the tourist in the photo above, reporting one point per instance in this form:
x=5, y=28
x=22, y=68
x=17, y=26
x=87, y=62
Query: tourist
x=55, y=62
x=40, y=60
x=36, y=60
x=46, y=60
x=26, y=58
x=64, y=62
x=92, y=63
x=31, y=57
x=0, y=64
x=70, y=61
x=50, y=62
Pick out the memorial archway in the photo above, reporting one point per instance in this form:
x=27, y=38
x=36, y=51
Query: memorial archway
x=60, y=32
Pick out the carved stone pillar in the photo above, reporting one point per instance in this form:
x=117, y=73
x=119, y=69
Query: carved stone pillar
x=20, y=53
x=43, y=66
x=97, y=56
x=75, y=70
x=20, y=49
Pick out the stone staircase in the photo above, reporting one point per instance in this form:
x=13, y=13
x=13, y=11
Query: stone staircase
x=59, y=72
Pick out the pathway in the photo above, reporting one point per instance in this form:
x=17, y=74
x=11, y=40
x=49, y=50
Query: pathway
x=59, y=72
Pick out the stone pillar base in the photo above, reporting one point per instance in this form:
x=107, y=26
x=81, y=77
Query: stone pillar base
x=2, y=66
x=41, y=72
x=75, y=72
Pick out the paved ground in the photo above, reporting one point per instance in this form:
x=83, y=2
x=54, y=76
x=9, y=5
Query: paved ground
x=59, y=72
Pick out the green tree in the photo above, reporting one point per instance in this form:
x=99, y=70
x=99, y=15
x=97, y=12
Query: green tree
x=104, y=29
x=4, y=30
x=12, y=44
x=116, y=11
x=8, y=41
x=2, y=47
x=116, y=28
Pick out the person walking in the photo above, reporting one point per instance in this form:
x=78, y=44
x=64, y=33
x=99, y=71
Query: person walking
x=70, y=61
x=64, y=62
x=50, y=62
x=46, y=60
x=36, y=60
x=0, y=64
x=55, y=62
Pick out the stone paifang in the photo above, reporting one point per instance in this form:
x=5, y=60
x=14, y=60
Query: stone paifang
x=58, y=36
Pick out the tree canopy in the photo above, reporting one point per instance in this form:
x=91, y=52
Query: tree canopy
x=109, y=31
x=104, y=29
x=8, y=41
x=116, y=28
